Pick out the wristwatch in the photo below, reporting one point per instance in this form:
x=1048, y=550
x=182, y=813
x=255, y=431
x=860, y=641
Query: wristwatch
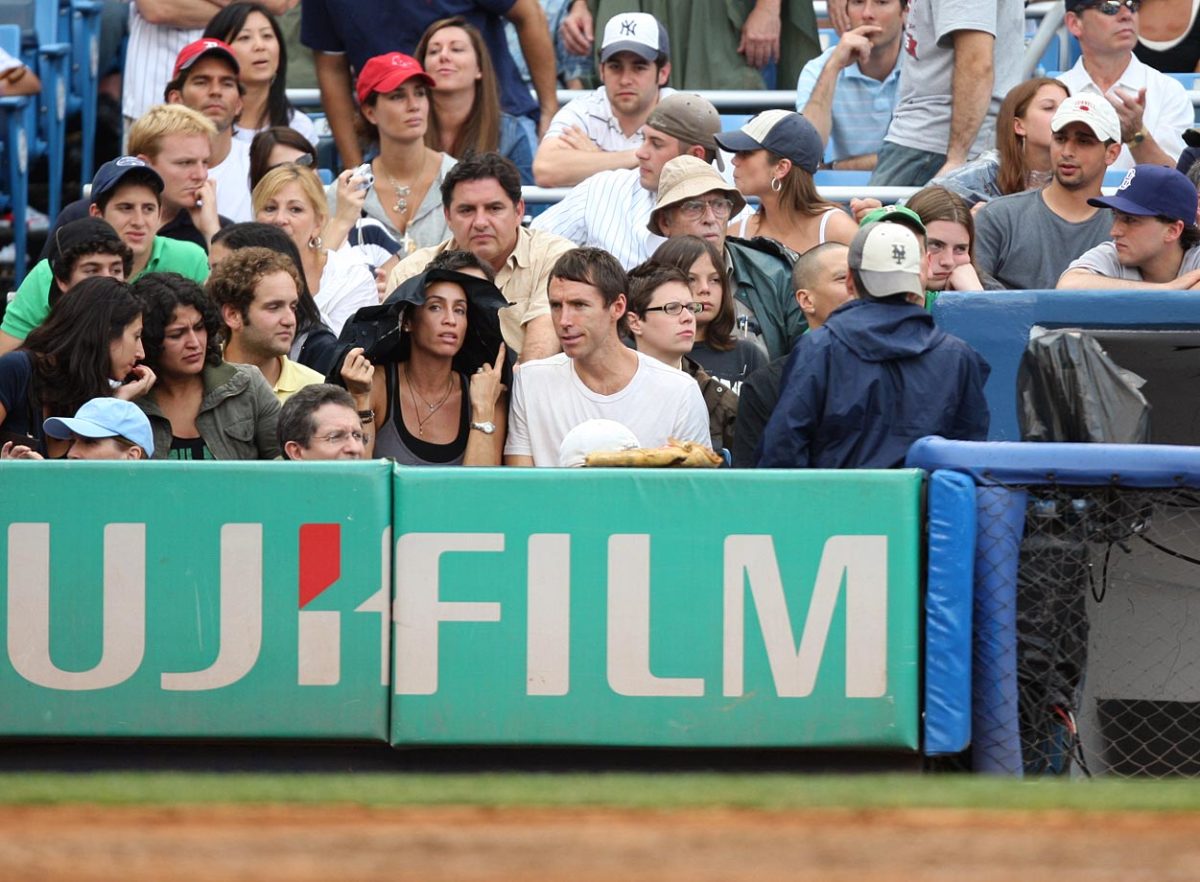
x=1136, y=138
x=487, y=427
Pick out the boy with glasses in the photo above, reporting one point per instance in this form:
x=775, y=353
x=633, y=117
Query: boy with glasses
x=1154, y=108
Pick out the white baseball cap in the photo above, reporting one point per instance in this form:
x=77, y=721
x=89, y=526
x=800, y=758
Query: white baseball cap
x=887, y=258
x=1092, y=110
x=637, y=32
x=594, y=436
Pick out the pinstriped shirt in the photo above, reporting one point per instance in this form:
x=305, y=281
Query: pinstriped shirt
x=609, y=210
x=149, y=60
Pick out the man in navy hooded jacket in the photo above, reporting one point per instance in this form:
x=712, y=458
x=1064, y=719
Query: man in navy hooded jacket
x=878, y=375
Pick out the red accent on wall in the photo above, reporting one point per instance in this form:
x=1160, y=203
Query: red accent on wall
x=320, y=559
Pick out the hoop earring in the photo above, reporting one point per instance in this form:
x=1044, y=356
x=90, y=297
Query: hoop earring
x=776, y=185
x=315, y=242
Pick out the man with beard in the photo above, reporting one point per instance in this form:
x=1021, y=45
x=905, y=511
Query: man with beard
x=1026, y=240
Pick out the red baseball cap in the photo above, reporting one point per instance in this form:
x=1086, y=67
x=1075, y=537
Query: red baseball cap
x=193, y=52
x=383, y=73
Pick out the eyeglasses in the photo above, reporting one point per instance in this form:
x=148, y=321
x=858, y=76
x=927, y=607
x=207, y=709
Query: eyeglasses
x=676, y=306
x=340, y=437
x=695, y=208
x=1112, y=7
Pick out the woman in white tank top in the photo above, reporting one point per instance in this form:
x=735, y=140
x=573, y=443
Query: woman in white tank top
x=774, y=157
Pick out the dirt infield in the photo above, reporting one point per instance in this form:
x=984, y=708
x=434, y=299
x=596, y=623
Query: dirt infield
x=319, y=844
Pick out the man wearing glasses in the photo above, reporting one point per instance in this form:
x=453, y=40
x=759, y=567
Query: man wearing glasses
x=694, y=200
x=1154, y=108
x=319, y=422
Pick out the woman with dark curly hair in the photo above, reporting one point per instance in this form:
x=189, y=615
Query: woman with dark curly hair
x=258, y=43
x=88, y=347
x=202, y=407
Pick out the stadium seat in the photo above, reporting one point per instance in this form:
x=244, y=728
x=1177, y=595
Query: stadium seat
x=79, y=24
x=832, y=178
x=43, y=53
x=16, y=120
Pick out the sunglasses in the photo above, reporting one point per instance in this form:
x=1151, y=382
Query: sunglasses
x=303, y=159
x=1112, y=7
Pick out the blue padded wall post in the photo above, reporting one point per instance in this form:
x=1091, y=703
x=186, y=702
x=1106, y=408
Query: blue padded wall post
x=948, y=603
x=994, y=717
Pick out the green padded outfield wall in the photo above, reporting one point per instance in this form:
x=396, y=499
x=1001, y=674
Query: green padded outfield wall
x=173, y=599
x=656, y=608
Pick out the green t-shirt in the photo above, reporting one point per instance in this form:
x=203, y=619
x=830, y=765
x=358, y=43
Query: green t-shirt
x=31, y=305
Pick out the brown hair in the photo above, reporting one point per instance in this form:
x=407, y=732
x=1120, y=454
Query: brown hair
x=1013, y=174
x=683, y=251
x=798, y=191
x=481, y=131
x=595, y=267
x=233, y=280
x=939, y=204
x=266, y=141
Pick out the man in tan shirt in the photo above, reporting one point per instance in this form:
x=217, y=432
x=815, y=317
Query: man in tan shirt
x=481, y=197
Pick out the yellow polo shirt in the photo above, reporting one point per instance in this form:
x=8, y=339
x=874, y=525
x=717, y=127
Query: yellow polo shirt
x=292, y=378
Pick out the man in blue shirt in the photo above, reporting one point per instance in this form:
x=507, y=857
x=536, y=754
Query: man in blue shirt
x=344, y=34
x=849, y=90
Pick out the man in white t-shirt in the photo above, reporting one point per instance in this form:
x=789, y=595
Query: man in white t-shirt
x=206, y=80
x=596, y=376
x=603, y=130
x=1154, y=108
x=1155, y=241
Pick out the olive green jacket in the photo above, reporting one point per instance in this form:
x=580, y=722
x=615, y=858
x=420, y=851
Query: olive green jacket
x=238, y=415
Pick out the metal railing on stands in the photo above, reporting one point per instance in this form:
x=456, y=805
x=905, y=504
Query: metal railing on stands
x=836, y=193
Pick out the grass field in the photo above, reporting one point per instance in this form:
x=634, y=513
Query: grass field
x=595, y=827
x=763, y=791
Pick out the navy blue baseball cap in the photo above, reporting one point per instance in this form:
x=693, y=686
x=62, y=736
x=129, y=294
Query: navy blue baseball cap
x=783, y=132
x=116, y=170
x=1153, y=191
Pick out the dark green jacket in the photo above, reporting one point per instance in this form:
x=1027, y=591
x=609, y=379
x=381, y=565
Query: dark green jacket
x=762, y=280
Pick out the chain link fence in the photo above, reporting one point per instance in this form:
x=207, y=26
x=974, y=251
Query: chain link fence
x=1106, y=619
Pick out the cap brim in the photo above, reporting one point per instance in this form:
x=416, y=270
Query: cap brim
x=1121, y=204
x=641, y=50
x=64, y=427
x=391, y=83
x=216, y=50
x=888, y=284
x=736, y=141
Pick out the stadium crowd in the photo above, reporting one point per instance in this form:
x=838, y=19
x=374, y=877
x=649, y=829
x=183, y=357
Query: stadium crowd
x=211, y=298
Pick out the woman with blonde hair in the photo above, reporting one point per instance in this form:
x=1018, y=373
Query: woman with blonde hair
x=465, y=114
x=775, y=156
x=290, y=197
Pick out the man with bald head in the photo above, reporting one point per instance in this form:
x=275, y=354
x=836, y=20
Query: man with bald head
x=819, y=277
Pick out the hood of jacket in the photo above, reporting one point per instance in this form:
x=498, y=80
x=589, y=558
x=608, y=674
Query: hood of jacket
x=876, y=331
